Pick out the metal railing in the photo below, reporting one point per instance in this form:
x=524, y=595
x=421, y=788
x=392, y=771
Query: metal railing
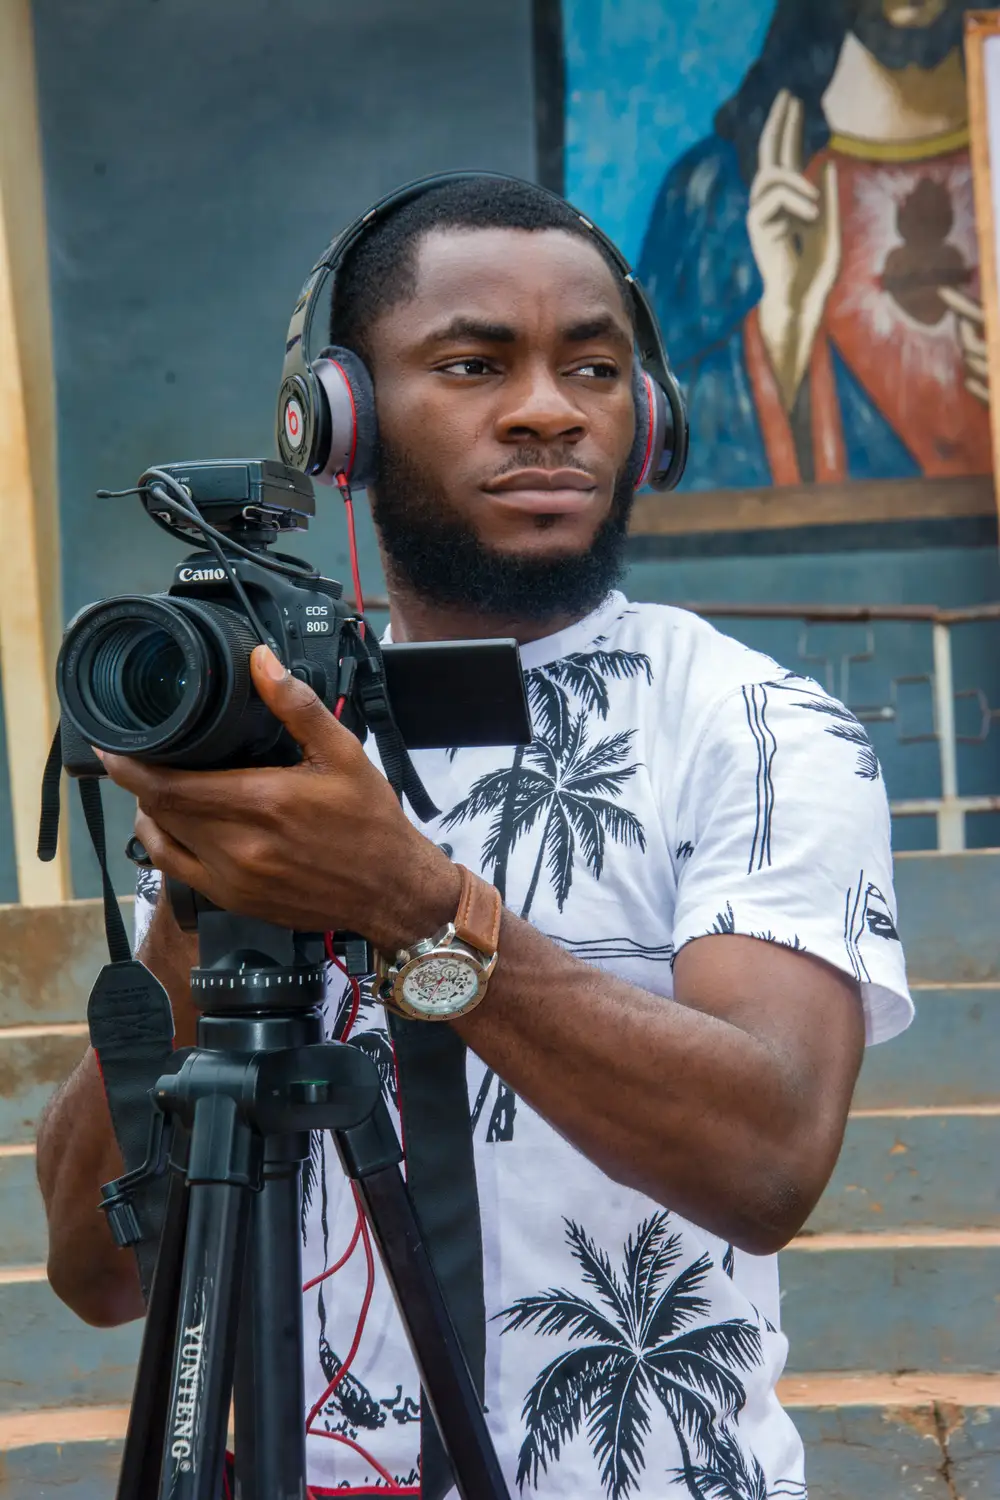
x=951, y=807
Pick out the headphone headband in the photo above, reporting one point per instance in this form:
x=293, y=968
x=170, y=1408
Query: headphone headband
x=297, y=368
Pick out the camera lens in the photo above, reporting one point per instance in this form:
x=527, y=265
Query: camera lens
x=137, y=675
x=165, y=678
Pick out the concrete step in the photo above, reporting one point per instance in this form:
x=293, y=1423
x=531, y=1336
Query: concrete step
x=949, y=1055
x=869, y=1437
x=948, y=906
x=907, y=1300
x=903, y=1437
x=72, y=1454
x=34, y=1061
x=923, y=1170
x=49, y=1358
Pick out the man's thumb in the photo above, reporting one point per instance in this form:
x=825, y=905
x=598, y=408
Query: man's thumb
x=295, y=703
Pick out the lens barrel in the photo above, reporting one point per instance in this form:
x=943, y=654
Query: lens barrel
x=166, y=679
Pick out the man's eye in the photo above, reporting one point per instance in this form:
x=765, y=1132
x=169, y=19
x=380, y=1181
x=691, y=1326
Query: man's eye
x=598, y=369
x=473, y=364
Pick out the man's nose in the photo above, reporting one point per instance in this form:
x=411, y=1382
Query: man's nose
x=541, y=408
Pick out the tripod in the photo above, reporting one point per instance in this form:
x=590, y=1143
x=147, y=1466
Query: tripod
x=234, y=1116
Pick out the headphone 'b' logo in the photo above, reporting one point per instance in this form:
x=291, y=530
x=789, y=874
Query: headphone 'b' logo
x=293, y=422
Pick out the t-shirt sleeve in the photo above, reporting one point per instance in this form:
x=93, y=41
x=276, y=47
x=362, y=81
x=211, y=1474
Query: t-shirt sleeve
x=147, y=889
x=784, y=835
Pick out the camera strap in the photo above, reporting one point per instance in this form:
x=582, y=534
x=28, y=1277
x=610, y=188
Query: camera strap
x=441, y=1181
x=373, y=696
x=128, y=1014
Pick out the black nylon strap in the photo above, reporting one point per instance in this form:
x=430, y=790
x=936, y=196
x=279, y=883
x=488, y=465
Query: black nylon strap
x=441, y=1179
x=93, y=810
x=132, y=1032
x=48, y=822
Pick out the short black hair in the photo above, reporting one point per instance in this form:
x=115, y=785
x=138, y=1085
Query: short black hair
x=380, y=271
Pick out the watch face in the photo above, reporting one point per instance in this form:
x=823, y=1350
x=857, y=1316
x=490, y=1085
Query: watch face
x=441, y=985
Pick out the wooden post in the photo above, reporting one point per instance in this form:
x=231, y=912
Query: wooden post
x=982, y=27
x=30, y=593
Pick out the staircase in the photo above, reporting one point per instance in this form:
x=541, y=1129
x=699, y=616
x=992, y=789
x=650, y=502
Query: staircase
x=891, y=1294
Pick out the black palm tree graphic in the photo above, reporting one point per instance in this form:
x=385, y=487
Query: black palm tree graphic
x=632, y=1346
x=570, y=792
x=584, y=675
x=733, y=1475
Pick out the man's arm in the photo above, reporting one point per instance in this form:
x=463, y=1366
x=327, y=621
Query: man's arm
x=77, y=1153
x=727, y=1104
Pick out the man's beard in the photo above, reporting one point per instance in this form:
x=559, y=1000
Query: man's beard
x=440, y=557
x=902, y=46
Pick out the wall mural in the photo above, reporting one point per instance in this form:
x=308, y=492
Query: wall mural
x=792, y=181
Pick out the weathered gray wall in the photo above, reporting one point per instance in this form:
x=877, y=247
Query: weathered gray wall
x=198, y=157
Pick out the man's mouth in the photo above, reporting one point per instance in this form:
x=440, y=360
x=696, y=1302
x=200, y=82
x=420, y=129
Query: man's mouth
x=543, y=491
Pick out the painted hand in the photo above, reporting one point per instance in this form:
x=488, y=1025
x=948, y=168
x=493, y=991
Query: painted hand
x=319, y=845
x=794, y=230
x=970, y=318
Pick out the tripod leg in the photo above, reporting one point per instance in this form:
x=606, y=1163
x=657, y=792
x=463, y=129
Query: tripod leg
x=209, y=1302
x=142, y=1456
x=370, y=1154
x=270, y=1385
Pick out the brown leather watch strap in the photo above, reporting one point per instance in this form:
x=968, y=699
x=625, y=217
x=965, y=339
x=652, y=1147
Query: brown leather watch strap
x=477, y=921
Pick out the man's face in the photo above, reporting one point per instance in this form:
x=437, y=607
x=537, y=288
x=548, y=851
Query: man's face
x=506, y=419
x=903, y=33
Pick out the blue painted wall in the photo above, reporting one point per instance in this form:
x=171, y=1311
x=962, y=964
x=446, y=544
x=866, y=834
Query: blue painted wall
x=643, y=82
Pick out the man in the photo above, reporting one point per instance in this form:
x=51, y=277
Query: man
x=698, y=925
x=814, y=262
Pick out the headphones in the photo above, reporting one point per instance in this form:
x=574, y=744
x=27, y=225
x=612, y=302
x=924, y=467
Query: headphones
x=326, y=422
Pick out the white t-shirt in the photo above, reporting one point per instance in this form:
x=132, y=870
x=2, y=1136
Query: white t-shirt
x=679, y=784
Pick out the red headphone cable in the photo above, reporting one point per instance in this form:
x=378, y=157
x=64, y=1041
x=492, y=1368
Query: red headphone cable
x=344, y=487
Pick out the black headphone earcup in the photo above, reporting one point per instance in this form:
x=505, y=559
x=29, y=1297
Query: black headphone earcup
x=638, y=458
x=659, y=452
x=350, y=430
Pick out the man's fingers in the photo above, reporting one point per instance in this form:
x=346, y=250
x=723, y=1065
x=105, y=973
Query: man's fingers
x=304, y=715
x=783, y=202
x=166, y=853
x=790, y=142
x=963, y=306
x=979, y=389
x=161, y=790
x=770, y=136
x=794, y=181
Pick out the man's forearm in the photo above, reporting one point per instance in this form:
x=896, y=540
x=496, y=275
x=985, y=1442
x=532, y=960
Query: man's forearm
x=700, y=1114
x=77, y=1153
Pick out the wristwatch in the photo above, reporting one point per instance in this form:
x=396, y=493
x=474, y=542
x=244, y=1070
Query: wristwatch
x=446, y=976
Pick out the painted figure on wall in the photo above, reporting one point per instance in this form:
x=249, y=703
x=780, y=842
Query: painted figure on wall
x=814, y=261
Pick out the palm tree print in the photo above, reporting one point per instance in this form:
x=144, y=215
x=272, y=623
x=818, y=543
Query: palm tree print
x=845, y=726
x=584, y=675
x=729, y=1475
x=633, y=1345
x=569, y=788
x=570, y=791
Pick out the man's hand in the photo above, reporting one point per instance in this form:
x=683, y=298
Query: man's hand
x=794, y=230
x=316, y=846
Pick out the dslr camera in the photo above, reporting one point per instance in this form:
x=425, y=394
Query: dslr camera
x=166, y=677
